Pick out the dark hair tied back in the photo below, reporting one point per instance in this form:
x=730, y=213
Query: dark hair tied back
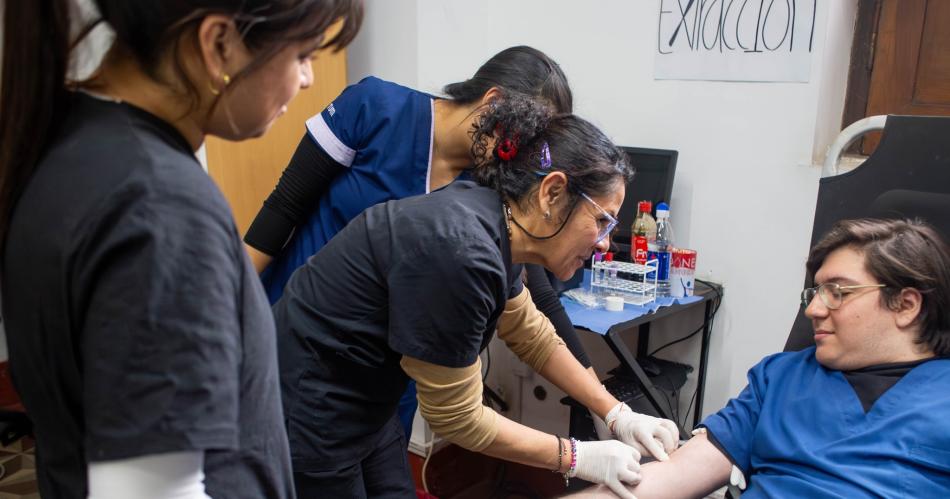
x=523, y=70
x=34, y=97
x=510, y=123
x=591, y=162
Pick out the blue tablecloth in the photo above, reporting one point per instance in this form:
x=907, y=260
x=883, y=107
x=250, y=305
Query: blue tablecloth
x=599, y=320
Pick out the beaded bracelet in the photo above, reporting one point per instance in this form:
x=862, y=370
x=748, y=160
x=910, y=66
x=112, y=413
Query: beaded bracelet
x=572, y=471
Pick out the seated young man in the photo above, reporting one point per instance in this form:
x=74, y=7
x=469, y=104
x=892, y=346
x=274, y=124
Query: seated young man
x=863, y=413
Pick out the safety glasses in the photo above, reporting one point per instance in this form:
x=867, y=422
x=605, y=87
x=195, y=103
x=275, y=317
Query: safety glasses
x=605, y=223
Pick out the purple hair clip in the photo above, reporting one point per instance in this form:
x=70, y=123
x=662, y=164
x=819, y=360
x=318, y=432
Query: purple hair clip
x=545, y=156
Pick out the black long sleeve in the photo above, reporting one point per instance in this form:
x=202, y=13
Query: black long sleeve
x=546, y=300
x=303, y=182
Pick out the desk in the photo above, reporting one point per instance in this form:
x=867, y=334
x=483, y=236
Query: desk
x=612, y=325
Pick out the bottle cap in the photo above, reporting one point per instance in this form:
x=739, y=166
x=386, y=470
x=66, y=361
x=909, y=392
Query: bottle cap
x=645, y=206
x=662, y=210
x=609, y=256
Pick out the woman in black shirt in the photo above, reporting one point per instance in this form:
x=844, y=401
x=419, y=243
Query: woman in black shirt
x=140, y=340
x=403, y=142
x=415, y=288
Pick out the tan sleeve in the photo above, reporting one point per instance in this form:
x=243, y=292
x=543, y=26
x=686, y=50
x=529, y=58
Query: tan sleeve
x=527, y=332
x=450, y=400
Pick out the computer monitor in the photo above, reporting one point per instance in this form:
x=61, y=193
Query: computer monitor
x=652, y=180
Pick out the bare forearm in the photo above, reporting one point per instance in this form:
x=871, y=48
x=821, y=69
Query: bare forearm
x=695, y=470
x=521, y=444
x=569, y=375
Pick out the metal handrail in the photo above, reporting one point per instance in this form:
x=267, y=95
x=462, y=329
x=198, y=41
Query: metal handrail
x=846, y=138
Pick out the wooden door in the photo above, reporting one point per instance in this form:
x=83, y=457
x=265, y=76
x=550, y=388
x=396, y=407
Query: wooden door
x=247, y=171
x=911, y=66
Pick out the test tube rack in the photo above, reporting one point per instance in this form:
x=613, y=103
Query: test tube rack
x=633, y=289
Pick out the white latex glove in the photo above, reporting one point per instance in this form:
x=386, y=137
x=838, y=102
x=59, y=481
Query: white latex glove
x=600, y=426
x=609, y=462
x=647, y=434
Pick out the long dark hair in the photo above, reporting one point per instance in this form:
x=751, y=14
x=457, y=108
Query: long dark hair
x=36, y=52
x=900, y=254
x=592, y=163
x=523, y=70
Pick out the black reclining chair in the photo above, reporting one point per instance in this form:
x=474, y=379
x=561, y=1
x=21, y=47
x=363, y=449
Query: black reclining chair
x=907, y=176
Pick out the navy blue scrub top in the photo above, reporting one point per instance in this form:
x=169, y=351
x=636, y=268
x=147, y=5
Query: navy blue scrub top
x=382, y=133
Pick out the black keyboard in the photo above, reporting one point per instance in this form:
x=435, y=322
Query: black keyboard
x=623, y=389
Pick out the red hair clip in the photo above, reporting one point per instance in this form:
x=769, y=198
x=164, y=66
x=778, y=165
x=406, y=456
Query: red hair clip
x=506, y=150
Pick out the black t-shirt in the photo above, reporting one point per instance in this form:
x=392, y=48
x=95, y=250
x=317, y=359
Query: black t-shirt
x=426, y=276
x=870, y=383
x=135, y=322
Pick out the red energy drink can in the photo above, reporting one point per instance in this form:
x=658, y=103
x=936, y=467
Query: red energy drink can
x=682, y=272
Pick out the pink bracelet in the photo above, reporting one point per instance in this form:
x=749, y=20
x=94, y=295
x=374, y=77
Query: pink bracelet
x=572, y=471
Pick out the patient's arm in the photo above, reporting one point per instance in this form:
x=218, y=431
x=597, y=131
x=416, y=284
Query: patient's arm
x=695, y=470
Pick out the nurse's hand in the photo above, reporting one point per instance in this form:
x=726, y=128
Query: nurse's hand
x=647, y=434
x=600, y=426
x=609, y=462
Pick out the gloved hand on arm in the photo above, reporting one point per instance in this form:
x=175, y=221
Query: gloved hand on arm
x=649, y=435
x=600, y=426
x=610, y=463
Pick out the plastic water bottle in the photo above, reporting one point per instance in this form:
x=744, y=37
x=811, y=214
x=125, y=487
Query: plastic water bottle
x=661, y=249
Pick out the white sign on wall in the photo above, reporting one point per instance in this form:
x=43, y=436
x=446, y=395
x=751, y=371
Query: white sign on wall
x=735, y=40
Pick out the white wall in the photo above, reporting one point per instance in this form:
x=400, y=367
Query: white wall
x=745, y=187
x=387, y=43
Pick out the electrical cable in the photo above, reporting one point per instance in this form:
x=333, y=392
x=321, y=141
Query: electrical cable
x=684, y=338
x=711, y=321
x=673, y=412
x=708, y=320
x=690, y=406
x=425, y=464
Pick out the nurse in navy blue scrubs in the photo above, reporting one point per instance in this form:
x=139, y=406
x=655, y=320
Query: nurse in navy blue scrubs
x=380, y=141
